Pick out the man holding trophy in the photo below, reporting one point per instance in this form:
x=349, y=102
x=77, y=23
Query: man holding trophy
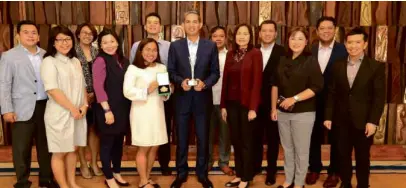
x=194, y=68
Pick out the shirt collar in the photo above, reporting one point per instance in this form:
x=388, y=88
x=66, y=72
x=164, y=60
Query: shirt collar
x=189, y=42
x=357, y=62
x=26, y=50
x=329, y=46
x=224, y=50
x=269, y=47
x=61, y=57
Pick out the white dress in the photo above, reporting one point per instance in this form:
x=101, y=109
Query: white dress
x=147, y=116
x=62, y=130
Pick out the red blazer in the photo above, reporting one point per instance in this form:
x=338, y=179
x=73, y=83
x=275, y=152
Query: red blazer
x=251, y=79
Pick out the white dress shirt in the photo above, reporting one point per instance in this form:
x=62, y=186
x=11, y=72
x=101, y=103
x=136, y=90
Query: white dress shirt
x=324, y=55
x=217, y=87
x=266, y=53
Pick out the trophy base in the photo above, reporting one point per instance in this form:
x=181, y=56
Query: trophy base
x=192, y=83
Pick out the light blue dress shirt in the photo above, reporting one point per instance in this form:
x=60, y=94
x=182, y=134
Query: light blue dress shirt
x=36, y=61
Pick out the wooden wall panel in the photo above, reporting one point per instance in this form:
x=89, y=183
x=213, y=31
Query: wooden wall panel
x=222, y=12
x=164, y=10
x=97, y=13
x=135, y=12
x=50, y=12
x=109, y=12
x=147, y=7
x=254, y=13
x=316, y=11
x=80, y=12
x=66, y=12
x=14, y=12
x=39, y=12
x=242, y=12
x=232, y=13
x=279, y=12
x=210, y=14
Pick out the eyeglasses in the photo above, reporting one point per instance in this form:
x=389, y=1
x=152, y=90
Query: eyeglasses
x=86, y=33
x=67, y=40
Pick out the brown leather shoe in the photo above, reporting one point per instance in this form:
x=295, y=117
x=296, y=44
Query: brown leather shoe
x=227, y=170
x=312, y=177
x=332, y=181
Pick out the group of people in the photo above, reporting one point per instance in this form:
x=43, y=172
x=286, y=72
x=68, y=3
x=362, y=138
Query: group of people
x=76, y=95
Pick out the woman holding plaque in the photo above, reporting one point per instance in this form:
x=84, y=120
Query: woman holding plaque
x=240, y=97
x=298, y=78
x=112, y=109
x=146, y=84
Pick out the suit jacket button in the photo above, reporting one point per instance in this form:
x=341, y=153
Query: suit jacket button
x=35, y=81
x=35, y=93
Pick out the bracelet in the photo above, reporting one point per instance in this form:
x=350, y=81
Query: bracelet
x=107, y=110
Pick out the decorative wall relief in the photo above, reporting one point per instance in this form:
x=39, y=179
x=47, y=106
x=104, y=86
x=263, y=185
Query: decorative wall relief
x=400, y=136
x=265, y=11
x=122, y=12
x=366, y=13
x=177, y=33
x=379, y=137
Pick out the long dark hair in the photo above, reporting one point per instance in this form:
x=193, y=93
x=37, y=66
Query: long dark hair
x=139, y=61
x=107, y=31
x=250, y=43
x=306, y=50
x=90, y=26
x=55, y=31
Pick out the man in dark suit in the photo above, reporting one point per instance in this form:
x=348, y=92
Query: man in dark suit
x=271, y=53
x=194, y=68
x=355, y=101
x=327, y=52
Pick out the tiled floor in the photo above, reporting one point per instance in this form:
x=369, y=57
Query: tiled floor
x=376, y=181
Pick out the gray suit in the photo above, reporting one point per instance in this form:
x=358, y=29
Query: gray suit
x=18, y=94
x=17, y=83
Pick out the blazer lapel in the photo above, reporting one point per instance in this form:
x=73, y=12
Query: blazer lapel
x=185, y=49
x=273, y=55
x=27, y=61
x=332, y=56
x=361, y=72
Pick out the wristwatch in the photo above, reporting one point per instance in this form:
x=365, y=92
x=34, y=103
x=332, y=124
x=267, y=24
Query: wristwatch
x=297, y=98
x=107, y=110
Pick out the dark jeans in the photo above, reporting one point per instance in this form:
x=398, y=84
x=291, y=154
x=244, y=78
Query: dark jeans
x=111, y=152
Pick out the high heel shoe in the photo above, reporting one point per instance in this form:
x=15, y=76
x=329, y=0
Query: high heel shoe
x=126, y=184
x=232, y=184
x=154, y=184
x=86, y=176
x=142, y=186
x=100, y=173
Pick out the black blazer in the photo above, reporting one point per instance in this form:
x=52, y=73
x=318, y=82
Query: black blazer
x=361, y=104
x=268, y=73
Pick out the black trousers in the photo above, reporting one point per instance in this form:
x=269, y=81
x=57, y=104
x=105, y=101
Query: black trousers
x=242, y=138
x=111, y=152
x=23, y=134
x=268, y=128
x=164, y=151
x=315, y=164
x=351, y=137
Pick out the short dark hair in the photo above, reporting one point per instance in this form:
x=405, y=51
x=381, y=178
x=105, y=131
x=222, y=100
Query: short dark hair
x=108, y=31
x=90, y=26
x=139, y=60
x=195, y=12
x=326, y=18
x=268, y=22
x=250, y=43
x=153, y=14
x=357, y=31
x=25, y=22
x=55, y=31
x=306, y=50
x=214, y=29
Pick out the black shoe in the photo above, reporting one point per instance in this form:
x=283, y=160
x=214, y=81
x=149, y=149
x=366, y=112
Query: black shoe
x=126, y=184
x=178, y=182
x=290, y=186
x=154, y=184
x=50, y=184
x=345, y=185
x=206, y=183
x=232, y=184
x=166, y=171
x=270, y=180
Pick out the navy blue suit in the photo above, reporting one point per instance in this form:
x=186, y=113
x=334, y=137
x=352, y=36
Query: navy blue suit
x=192, y=102
x=315, y=165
